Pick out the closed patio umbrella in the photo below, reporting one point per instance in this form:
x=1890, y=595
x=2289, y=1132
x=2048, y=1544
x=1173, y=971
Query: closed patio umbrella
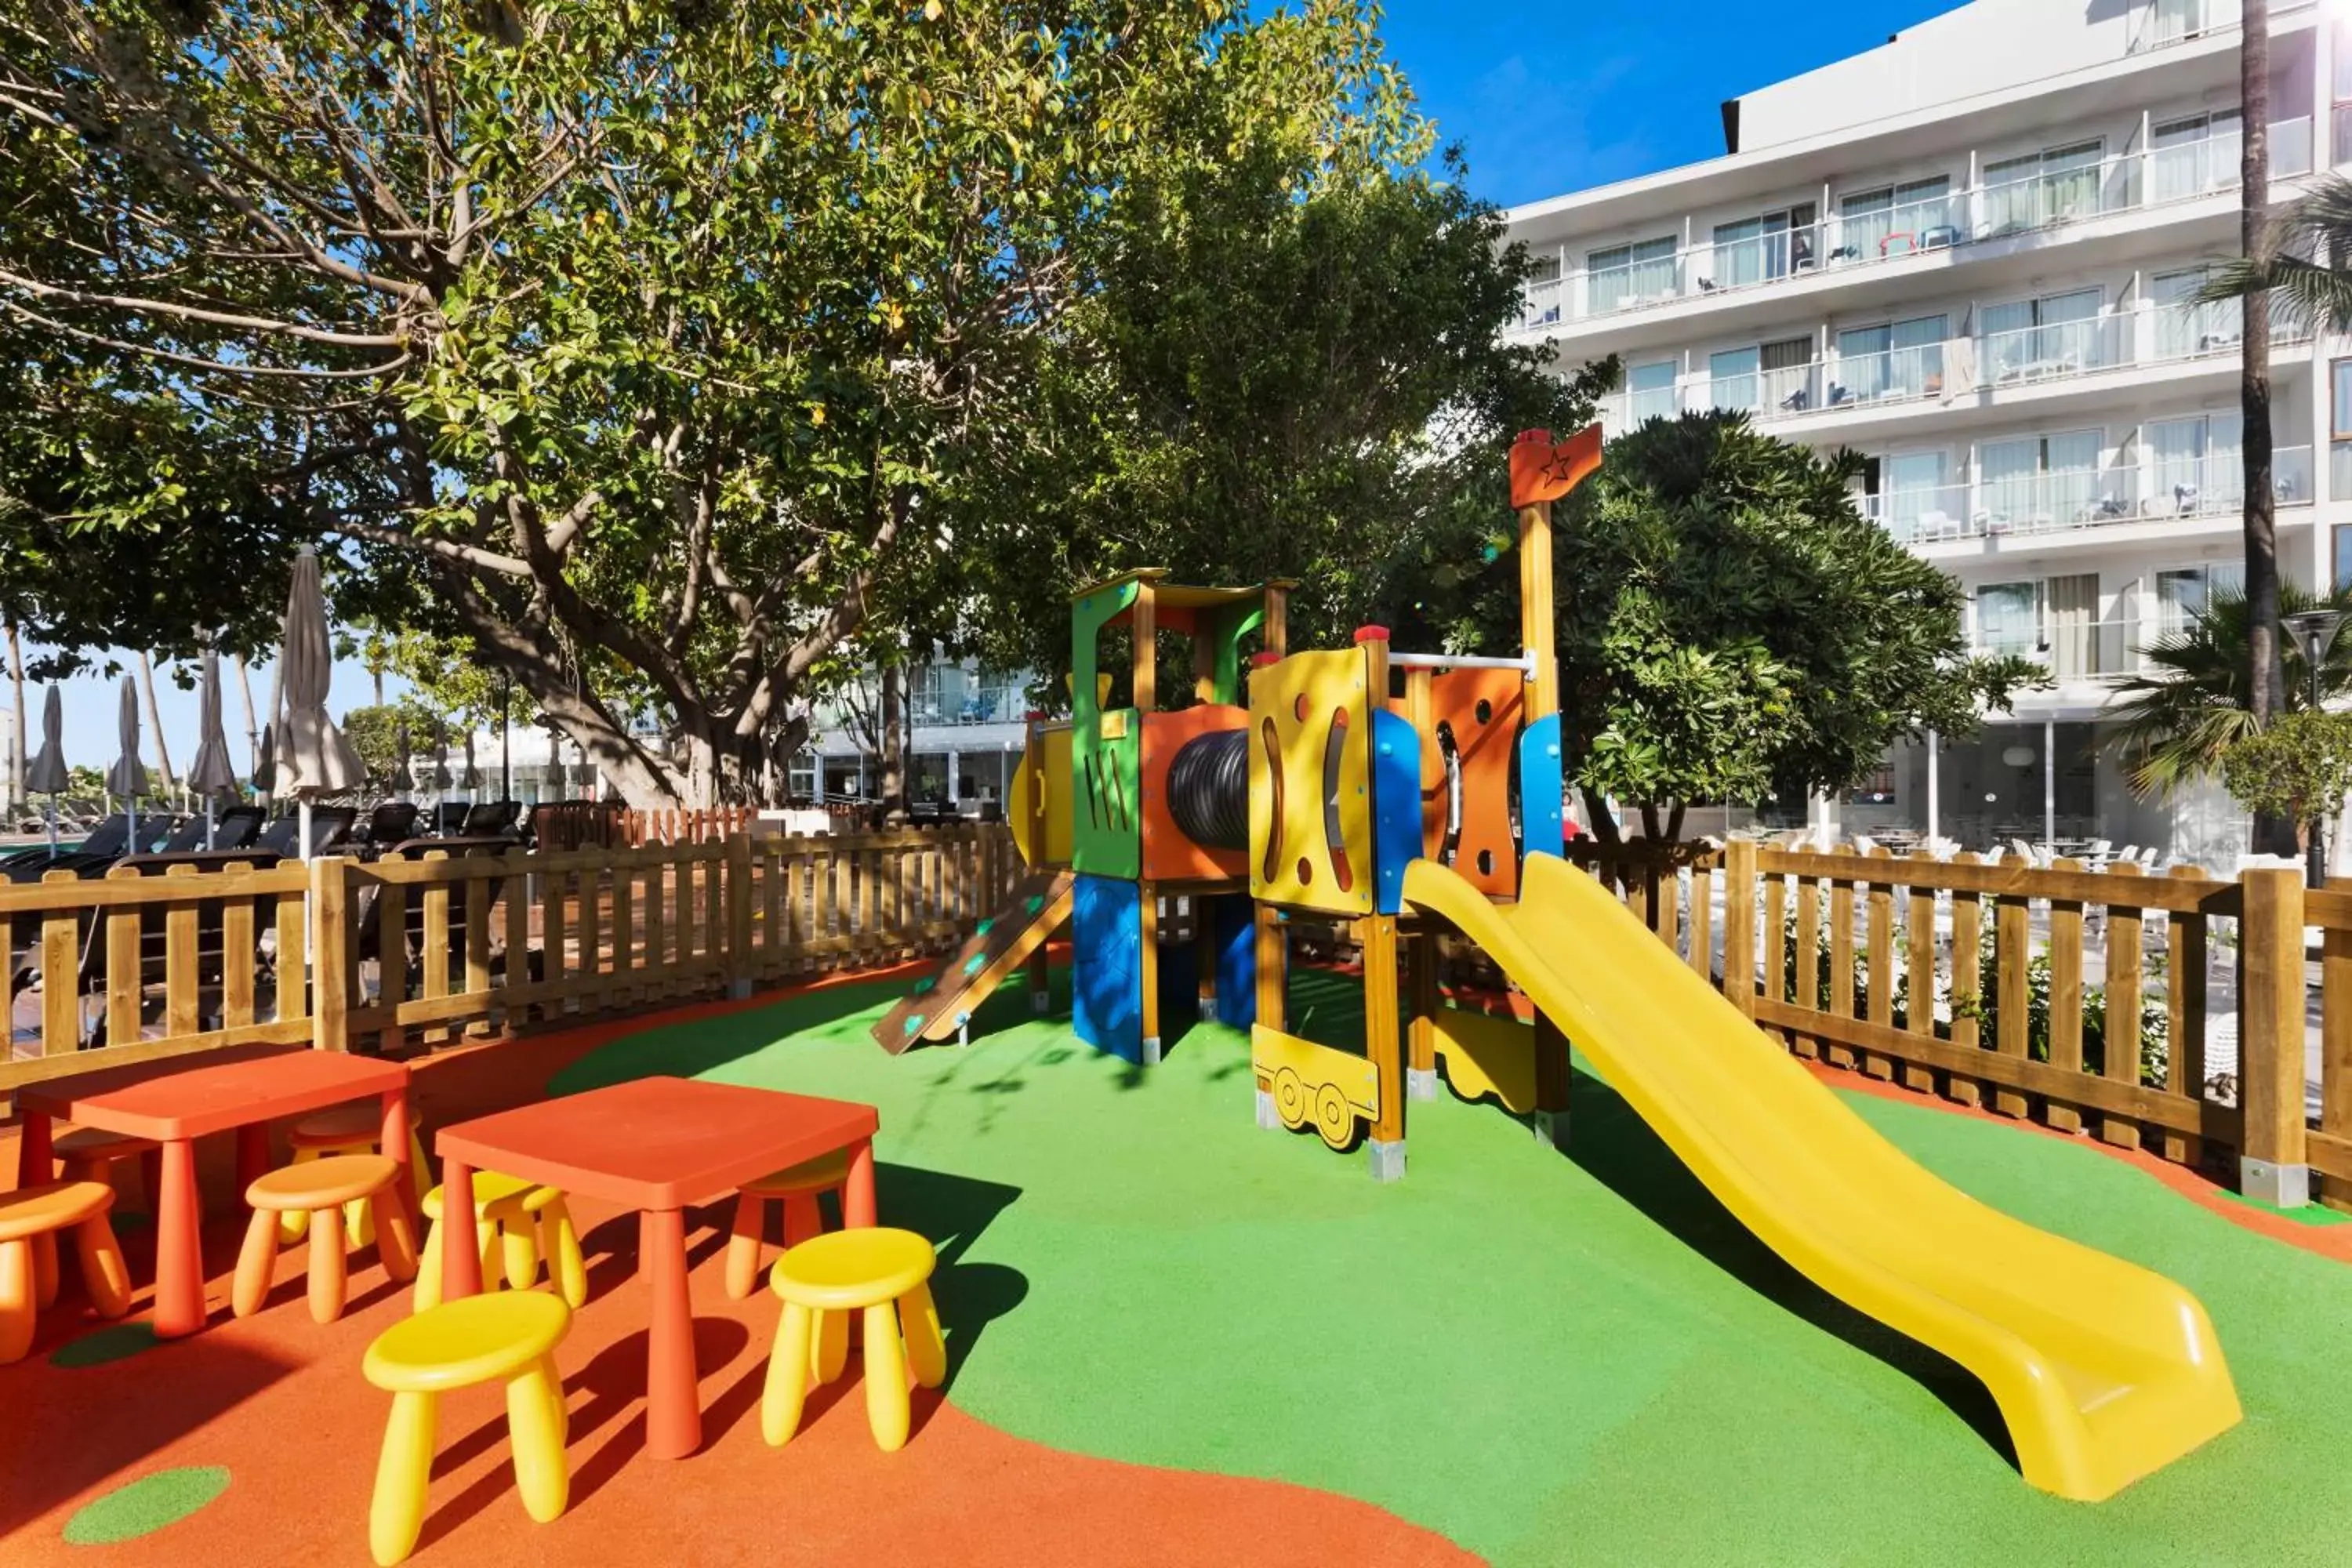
x=47, y=774
x=211, y=774
x=128, y=776
x=265, y=761
x=314, y=759
x=472, y=781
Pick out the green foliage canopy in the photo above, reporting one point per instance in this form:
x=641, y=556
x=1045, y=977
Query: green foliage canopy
x=2300, y=768
x=1729, y=626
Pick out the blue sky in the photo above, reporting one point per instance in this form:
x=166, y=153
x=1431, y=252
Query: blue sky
x=1545, y=98
x=1548, y=98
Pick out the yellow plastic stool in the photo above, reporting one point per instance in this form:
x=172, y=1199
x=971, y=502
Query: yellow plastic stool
x=30, y=1218
x=320, y=1188
x=348, y=1129
x=510, y=1335
x=518, y=1223
x=90, y=1153
x=796, y=1187
x=887, y=1275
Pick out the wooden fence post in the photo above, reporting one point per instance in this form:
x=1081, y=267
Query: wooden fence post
x=331, y=954
x=2272, y=1164
x=1740, y=924
x=740, y=960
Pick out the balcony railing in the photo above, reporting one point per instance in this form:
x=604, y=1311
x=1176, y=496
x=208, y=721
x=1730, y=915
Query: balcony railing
x=2055, y=350
x=2004, y=361
x=2156, y=488
x=2161, y=24
x=2073, y=649
x=1992, y=210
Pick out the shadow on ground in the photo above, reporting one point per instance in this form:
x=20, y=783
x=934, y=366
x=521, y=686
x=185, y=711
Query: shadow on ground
x=1618, y=1149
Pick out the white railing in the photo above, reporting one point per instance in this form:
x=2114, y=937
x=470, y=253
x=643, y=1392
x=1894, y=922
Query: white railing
x=1540, y=304
x=2002, y=209
x=1778, y=394
x=2156, y=488
x=2054, y=350
x=1921, y=515
x=2071, y=649
x=2162, y=24
x=1628, y=286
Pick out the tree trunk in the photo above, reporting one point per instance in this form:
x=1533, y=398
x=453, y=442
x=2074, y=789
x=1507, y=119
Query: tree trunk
x=155, y=722
x=1598, y=818
x=1652, y=828
x=894, y=748
x=1674, y=824
x=17, y=731
x=2266, y=682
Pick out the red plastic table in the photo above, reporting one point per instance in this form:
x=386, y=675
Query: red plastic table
x=658, y=1145
x=178, y=1100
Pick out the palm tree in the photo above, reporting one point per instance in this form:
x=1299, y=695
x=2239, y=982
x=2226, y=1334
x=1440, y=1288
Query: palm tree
x=2175, y=723
x=2308, y=268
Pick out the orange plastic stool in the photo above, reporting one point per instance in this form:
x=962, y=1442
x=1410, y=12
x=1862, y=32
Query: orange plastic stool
x=30, y=1219
x=796, y=1187
x=320, y=1188
x=89, y=1155
x=349, y=1129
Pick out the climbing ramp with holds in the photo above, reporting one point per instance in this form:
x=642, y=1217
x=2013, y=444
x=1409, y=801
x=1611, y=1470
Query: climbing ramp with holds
x=943, y=1002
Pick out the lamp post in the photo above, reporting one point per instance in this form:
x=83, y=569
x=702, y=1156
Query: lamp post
x=2314, y=633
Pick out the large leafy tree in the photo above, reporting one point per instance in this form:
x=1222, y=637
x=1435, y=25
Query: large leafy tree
x=1729, y=626
x=1281, y=375
x=648, y=351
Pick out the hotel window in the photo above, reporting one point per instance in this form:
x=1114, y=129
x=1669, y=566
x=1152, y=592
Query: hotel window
x=2033, y=339
x=2040, y=481
x=2182, y=593
x=1650, y=391
x=1624, y=275
x=1896, y=219
x=1900, y=359
x=2009, y=618
x=2186, y=325
x=1770, y=376
x=2195, y=466
x=1758, y=249
x=2339, y=450
x=2194, y=156
x=1542, y=309
x=2024, y=194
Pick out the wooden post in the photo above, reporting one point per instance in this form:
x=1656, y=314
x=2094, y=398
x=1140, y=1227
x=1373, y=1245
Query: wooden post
x=1274, y=630
x=1535, y=611
x=1421, y=1040
x=738, y=916
x=2065, y=996
x=2272, y=1166
x=1143, y=631
x=330, y=953
x=1383, y=1045
x=2012, y=940
x=2126, y=963
x=1740, y=924
x=1146, y=968
x=2185, y=1020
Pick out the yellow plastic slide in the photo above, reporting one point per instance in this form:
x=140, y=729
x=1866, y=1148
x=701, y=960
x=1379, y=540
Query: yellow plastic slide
x=2104, y=1371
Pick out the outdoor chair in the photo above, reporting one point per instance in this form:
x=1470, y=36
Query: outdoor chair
x=391, y=821
x=490, y=818
x=330, y=831
x=369, y=925
x=108, y=841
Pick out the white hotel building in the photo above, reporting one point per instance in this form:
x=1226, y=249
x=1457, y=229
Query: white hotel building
x=1965, y=255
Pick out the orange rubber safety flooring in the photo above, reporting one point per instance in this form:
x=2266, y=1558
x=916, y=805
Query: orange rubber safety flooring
x=279, y=1401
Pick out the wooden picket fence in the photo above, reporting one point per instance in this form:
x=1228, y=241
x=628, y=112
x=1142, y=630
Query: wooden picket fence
x=412, y=954
x=1828, y=950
